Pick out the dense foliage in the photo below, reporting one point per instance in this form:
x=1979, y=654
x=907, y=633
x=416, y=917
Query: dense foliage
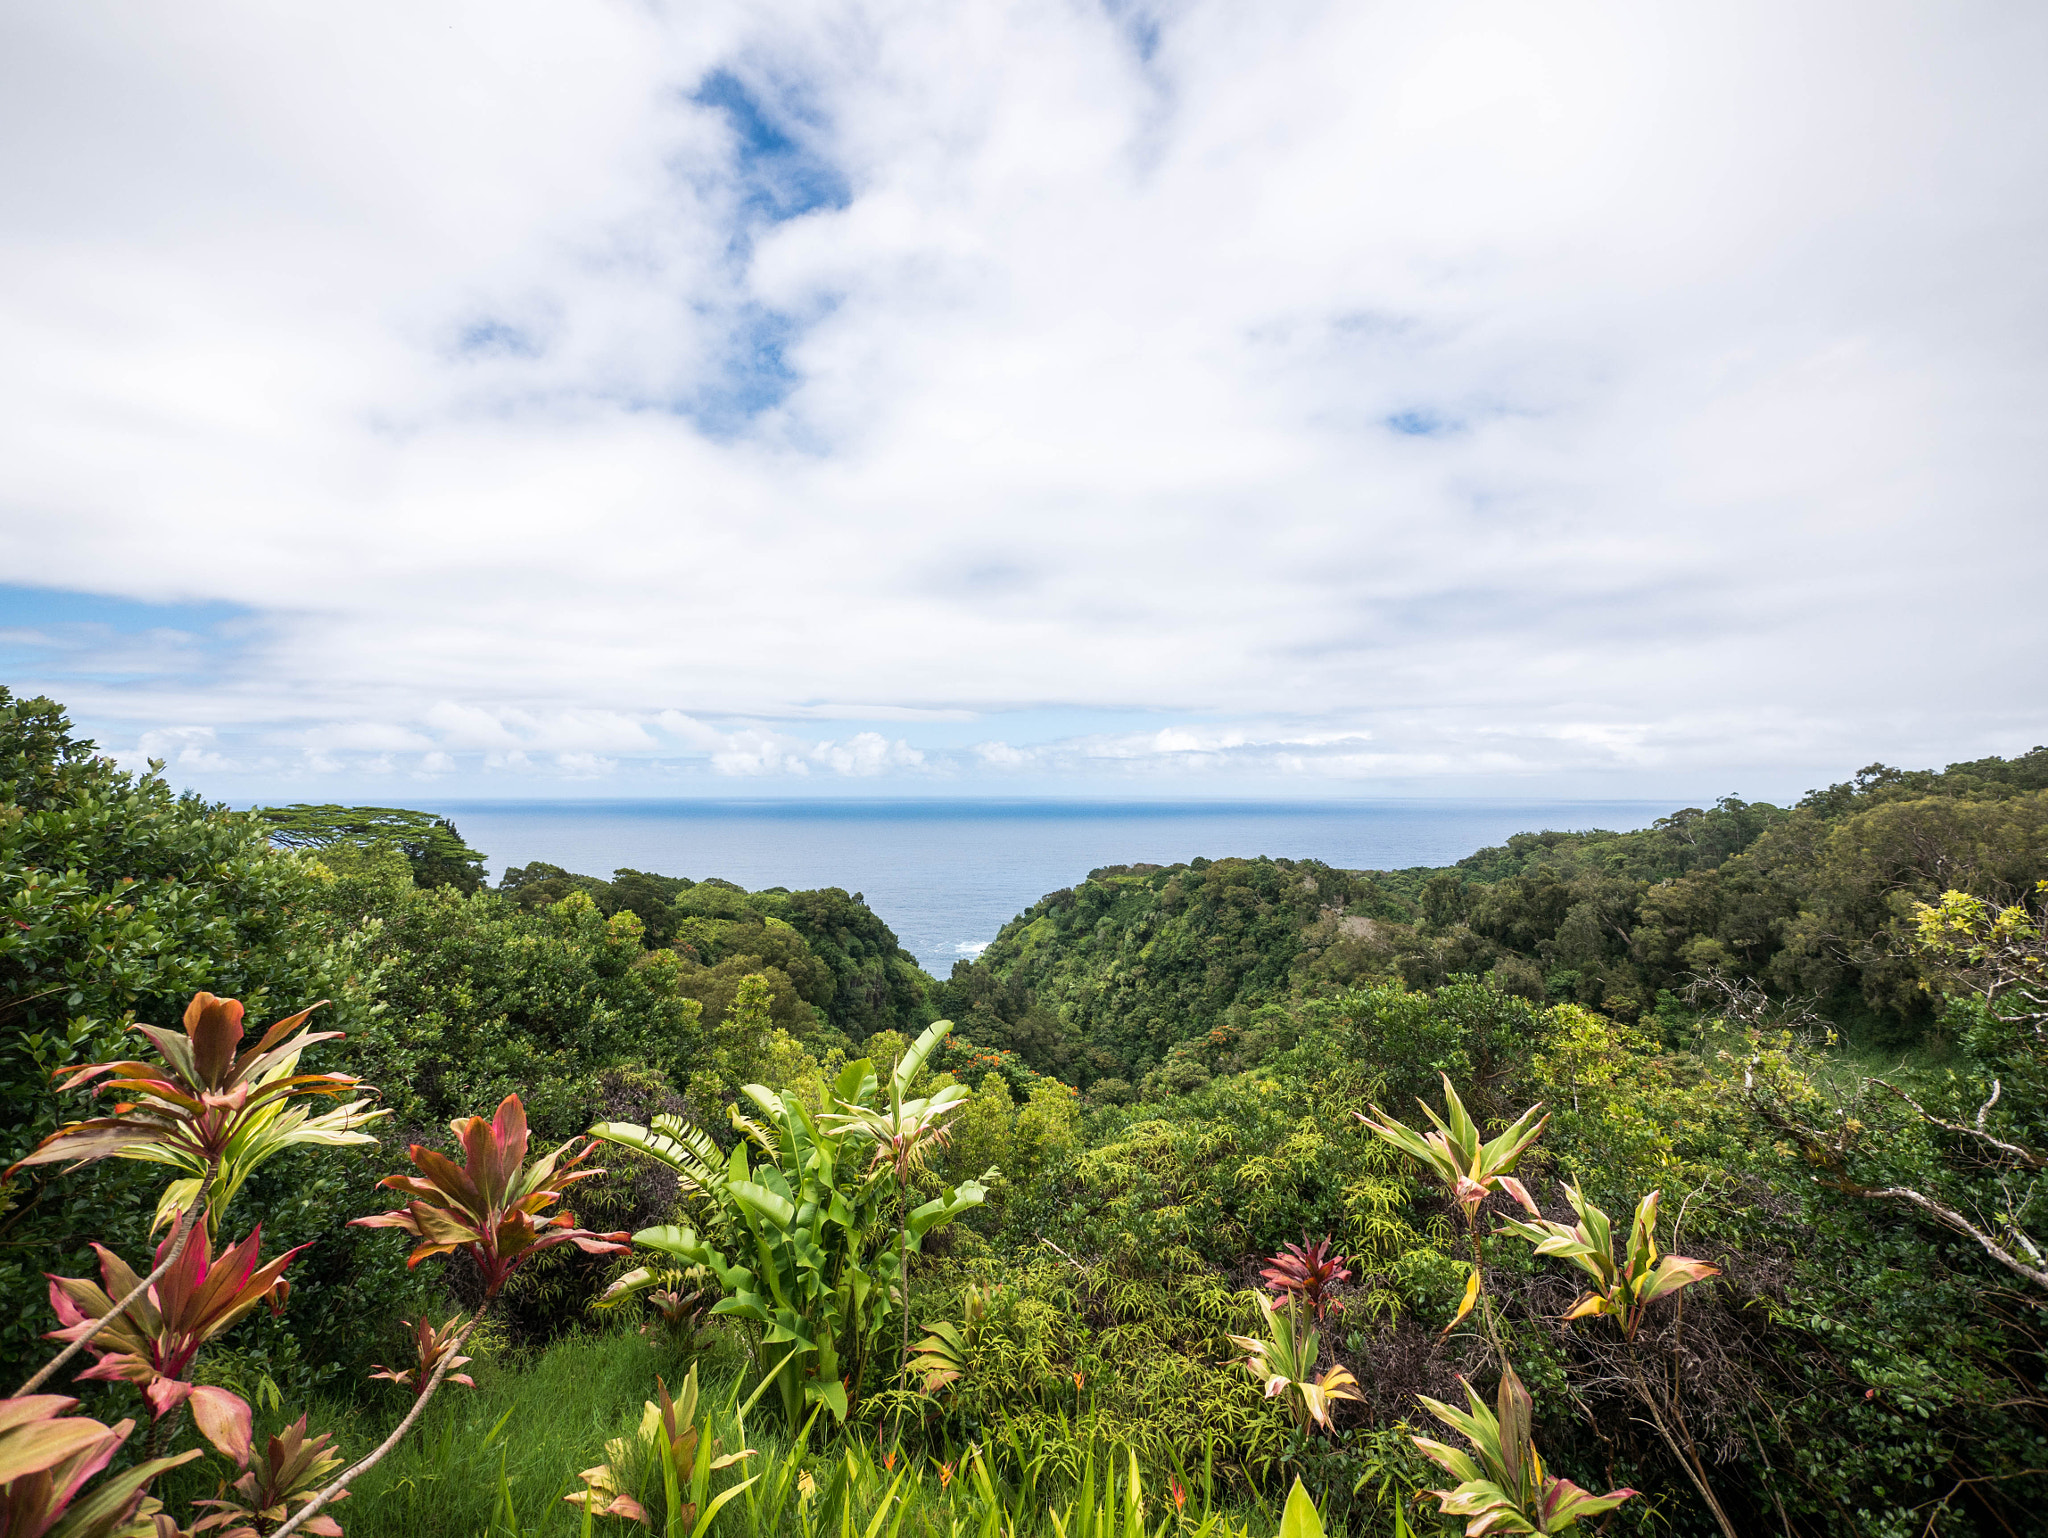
x=832, y=962
x=123, y=899
x=1148, y=1211
x=1103, y=981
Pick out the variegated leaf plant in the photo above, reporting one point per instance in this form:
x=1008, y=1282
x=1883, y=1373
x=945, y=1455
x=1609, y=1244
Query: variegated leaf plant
x=1503, y=1486
x=490, y=1205
x=1625, y=1288
x=1284, y=1361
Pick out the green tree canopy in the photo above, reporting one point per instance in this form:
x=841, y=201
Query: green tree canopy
x=430, y=844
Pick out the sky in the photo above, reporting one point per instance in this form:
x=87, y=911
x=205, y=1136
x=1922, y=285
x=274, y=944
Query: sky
x=578, y=398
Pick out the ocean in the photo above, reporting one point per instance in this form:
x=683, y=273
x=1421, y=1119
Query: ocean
x=946, y=875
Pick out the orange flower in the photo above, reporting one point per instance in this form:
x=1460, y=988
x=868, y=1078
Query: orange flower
x=945, y=1475
x=1180, y=1493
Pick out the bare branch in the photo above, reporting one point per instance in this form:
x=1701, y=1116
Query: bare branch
x=1989, y=1102
x=1950, y=1218
x=339, y=1486
x=2026, y=1156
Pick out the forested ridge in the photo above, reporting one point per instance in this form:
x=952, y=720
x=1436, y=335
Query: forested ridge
x=1103, y=981
x=1802, y=1048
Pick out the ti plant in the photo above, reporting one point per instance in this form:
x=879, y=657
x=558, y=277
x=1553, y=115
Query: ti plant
x=289, y=1474
x=1469, y=1169
x=810, y=1264
x=1285, y=1360
x=1623, y=1289
x=46, y=1457
x=197, y=1297
x=680, y=1296
x=1307, y=1271
x=432, y=1343
x=205, y=1108
x=490, y=1207
x=672, y=1454
x=1504, y=1487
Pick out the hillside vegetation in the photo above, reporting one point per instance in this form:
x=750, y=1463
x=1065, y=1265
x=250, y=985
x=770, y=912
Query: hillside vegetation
x=1101, y=983
x=1029, y=1275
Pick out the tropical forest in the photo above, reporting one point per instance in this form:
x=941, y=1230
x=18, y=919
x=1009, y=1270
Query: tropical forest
x=1683, y=1181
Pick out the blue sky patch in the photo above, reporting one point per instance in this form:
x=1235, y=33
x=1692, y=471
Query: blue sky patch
x=57, y=634
x=780, y=176
x=1420, y=422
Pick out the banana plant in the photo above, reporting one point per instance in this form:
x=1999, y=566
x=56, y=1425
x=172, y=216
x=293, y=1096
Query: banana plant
x=432, y=1343
x=803, y=1255
x=905, y=1135
x=46, y=1456
x=1504, y=1487
x=1285, y=1361
x=204, y=1108
x=152, y=1345
x=289, y=1474
x=1622, y=1289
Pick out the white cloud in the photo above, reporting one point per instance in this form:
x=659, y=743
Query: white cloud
x=1473, y=389
x=583, y=766
x=867, y=753
x=185, y=749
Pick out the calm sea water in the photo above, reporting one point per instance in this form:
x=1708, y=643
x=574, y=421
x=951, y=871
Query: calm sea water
x=946, y=875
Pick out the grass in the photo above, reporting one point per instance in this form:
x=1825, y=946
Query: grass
x=496, y=1461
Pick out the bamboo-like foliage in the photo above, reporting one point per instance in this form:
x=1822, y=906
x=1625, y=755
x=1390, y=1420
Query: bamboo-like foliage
x=1621, y=1288
x=809, y=1264
x=1504, y=1487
